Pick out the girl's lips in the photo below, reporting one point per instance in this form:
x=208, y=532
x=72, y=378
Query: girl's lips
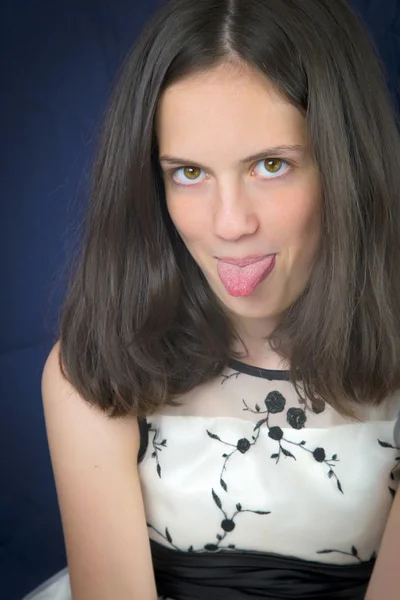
x=243, y=262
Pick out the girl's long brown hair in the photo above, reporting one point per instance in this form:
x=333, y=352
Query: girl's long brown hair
x=139, y=325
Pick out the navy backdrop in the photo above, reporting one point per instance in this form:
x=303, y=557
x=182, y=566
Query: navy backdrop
x=58, y=62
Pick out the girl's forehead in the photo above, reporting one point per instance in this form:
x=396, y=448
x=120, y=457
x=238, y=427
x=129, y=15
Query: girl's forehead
x=227, y=107
x=236, y=78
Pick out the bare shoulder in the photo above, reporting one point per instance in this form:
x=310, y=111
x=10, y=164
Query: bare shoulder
x=94, y=461
x=63, y=404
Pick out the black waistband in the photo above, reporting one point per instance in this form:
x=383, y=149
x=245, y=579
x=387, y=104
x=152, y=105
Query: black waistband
x=243, y=575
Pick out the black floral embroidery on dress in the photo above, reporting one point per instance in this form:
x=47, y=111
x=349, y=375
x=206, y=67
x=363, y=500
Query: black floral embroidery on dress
x=157, y=446
x=225, y=378
x=318, y=408
x=167, y=537
x=354, y=553
x=242, y=446
x=397, y=459
x=296, y=417
x=275, y=403
x=227, y=526
x=228, y=523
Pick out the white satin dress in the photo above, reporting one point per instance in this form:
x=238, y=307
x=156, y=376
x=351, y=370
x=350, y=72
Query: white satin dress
x=242, y=465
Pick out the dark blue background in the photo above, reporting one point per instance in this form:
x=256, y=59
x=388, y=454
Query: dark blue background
x=59, y=59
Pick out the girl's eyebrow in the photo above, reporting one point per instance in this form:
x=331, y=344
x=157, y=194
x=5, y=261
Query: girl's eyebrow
x=272, y=152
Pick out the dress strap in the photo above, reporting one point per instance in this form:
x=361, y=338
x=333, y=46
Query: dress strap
x=144, y=438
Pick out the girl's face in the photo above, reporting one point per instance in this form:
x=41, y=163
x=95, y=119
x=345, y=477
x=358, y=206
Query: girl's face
x=241, y=184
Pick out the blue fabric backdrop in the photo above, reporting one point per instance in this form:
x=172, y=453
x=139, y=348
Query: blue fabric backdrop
x=59, y=59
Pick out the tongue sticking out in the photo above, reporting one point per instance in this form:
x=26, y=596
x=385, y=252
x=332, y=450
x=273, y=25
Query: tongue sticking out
x=242, y=281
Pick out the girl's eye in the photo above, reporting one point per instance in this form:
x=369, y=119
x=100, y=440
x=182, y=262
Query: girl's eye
x=271, y=168
x=188, y=175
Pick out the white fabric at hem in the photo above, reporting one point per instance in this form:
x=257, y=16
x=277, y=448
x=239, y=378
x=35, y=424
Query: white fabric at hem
x=55, y=588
